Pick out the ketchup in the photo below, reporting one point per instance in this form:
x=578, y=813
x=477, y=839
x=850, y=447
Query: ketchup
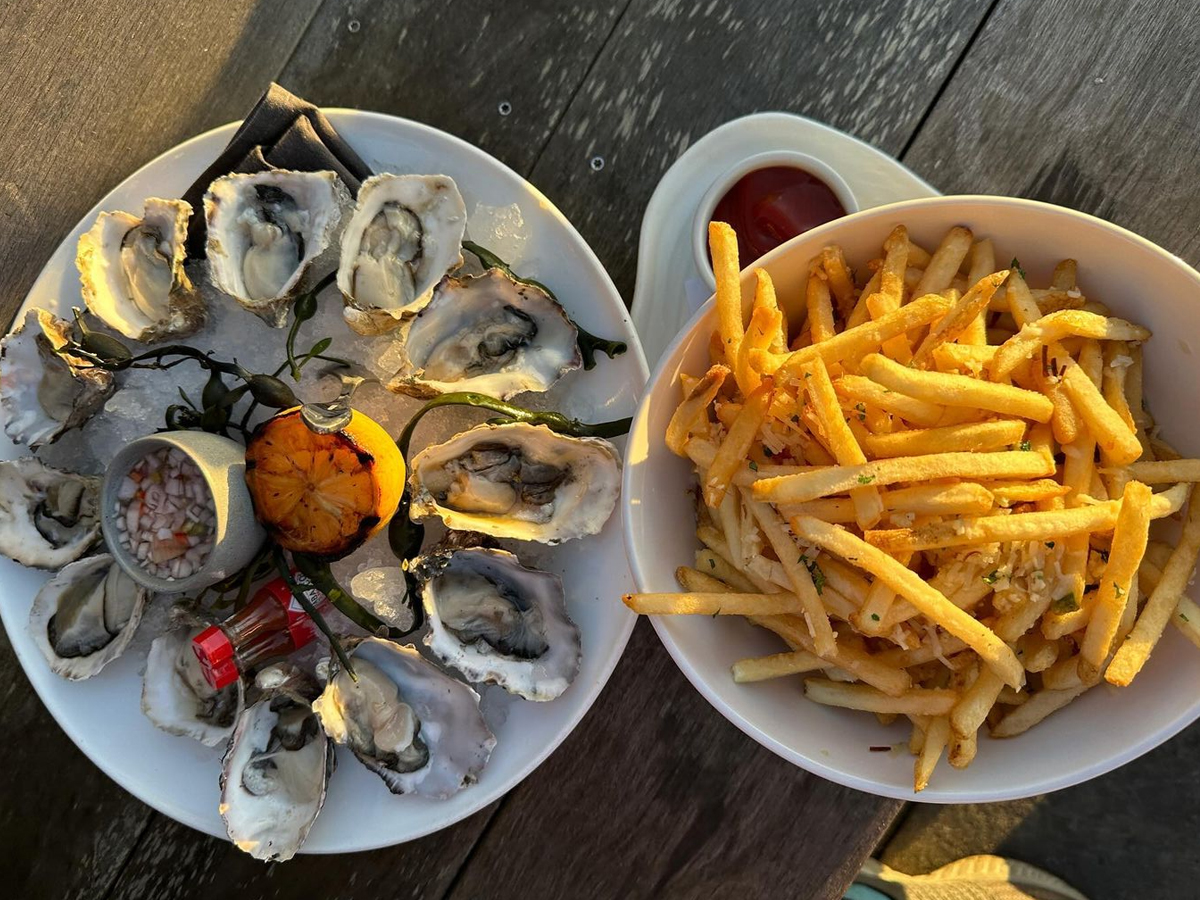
x=769, y=206
x=271, y=625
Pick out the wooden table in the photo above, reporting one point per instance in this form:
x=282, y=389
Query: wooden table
x=1081, y=102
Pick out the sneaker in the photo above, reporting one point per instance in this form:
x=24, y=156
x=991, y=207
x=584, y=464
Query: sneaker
x=972, y=878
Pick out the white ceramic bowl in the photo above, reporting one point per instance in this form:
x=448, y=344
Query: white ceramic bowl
x=1103, y=729
x=720, y=187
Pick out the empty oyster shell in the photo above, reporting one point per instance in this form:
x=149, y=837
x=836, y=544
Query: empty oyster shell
x=85, y=616
x=48, y=517
x=407, y=721
x=44, y=394
x=175, y=695
x=132, y=272
x=276, y=769
x=271, y=235
x=499, y=622
x=517, y=481
x=486, y=333
x=405, y=234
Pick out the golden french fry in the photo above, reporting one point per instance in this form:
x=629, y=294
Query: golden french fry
x=1068, y=614
x=974, y=437
x=914, y=701
x=840, y=282
x=760, y=333
x=732, y=453
x=1040, y=705
x=1161, y=604
x=712, y=604
x=966, y=357
x=694, y=408
x=1037, y=652
x=1116, y=369
x=962, y=315
x=944, y=263
x=764, y=298
x=713, y=567
x=814, y=483
x=1007, y=493
x=937, y=735
x=971, y=710
x=1056, y=327
x=889, y=679
x=819, y=305
x=928, y=600
x=762, y=668
x=1118, y=444
x=1064, y=275
x=957, y=390
x=722, y=246
x=1165, y=471
x=866, y=391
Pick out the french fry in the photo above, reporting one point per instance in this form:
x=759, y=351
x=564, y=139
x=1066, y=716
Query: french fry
x=937, y=735
x=694, y=581
x=1116, y=355
x=1064, y=275
x=1118, y=444
x=765, y=298
x=867, y=503
x=969, y=713
x=914, y=701
x=762, y=331
x=1161, y=604
x=957, y=390
x=888, y=679
x=693, y=408
x=840, y=282
x=974, y=437
x=1040, y=705
x=733, y=450
x=928, y=600
x=1165, y=471
x=965, y=313
x=983, y=261
x=778, y=665
x=814, y=483
x=864, y=390
x=1006, y=493
x=722, y=246
x=1056, y=327
x=968, y=357
x=819, y=305
x=945, y=262
x=709, y=563
x=713, y=604
x=1068, y=614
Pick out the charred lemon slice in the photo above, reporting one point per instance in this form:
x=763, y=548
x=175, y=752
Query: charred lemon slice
x=323, y=494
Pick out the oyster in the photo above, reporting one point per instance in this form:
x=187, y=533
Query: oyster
x=43, y=393
x=85, y=616
x=405, y=234
x=132, y=272
x=175, y=695
x=407, y=721
x=517, y=481
x=486, y=333
x=271, y=234
x=48, y=517
x=276, y=769
x=498, y=622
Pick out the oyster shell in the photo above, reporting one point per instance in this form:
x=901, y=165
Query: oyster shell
x=275, y=772
x=271, y=235
x=517, y=481
x=407, y=721
x=48, y=517
x=44, y=394
x=85, y=616
x=498, y=622
x=132, y=272
x=175, y=695
x=405, y=234
x=486, y=333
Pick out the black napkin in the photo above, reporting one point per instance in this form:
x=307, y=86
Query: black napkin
x=281, y=132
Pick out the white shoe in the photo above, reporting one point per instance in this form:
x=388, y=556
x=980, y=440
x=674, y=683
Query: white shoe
x=972, y=878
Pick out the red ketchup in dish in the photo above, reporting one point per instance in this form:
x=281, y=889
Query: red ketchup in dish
x=769, y=206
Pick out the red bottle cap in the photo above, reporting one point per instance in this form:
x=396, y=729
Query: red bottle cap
x=215, y=652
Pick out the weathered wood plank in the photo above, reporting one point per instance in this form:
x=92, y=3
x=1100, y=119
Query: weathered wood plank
x=94, y=90
x=452, y=65
x=655, y=795
x=675, y=69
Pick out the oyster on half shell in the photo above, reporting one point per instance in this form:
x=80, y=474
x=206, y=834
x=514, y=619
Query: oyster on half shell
x=404, y=719
x=486, y=333
x=271, y=235
x=85, y=616
x=517, y=481
x=405, y=234
x=44, y=393
x=132, y=271
x=276, y=769
x=499, y=622
x=48, y=517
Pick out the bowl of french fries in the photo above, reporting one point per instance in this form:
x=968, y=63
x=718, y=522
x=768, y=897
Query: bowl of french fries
x=909, y=500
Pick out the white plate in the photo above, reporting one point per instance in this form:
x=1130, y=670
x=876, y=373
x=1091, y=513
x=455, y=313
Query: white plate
x=177, y=776
x=669, y=287
x=1103, y=729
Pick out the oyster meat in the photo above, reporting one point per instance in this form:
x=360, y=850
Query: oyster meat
x=85, y=616
x=517, y=481
x=271, y=235
x=44, y=393
x=407, y=721
x=405, y=234
x=486, y=333
x=499, y=622
x=132, y=271
x=48, y=517
x=175, y=695
x=276, y=769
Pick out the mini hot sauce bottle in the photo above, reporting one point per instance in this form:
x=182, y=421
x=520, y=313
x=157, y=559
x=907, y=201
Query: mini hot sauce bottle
x=271, y=625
